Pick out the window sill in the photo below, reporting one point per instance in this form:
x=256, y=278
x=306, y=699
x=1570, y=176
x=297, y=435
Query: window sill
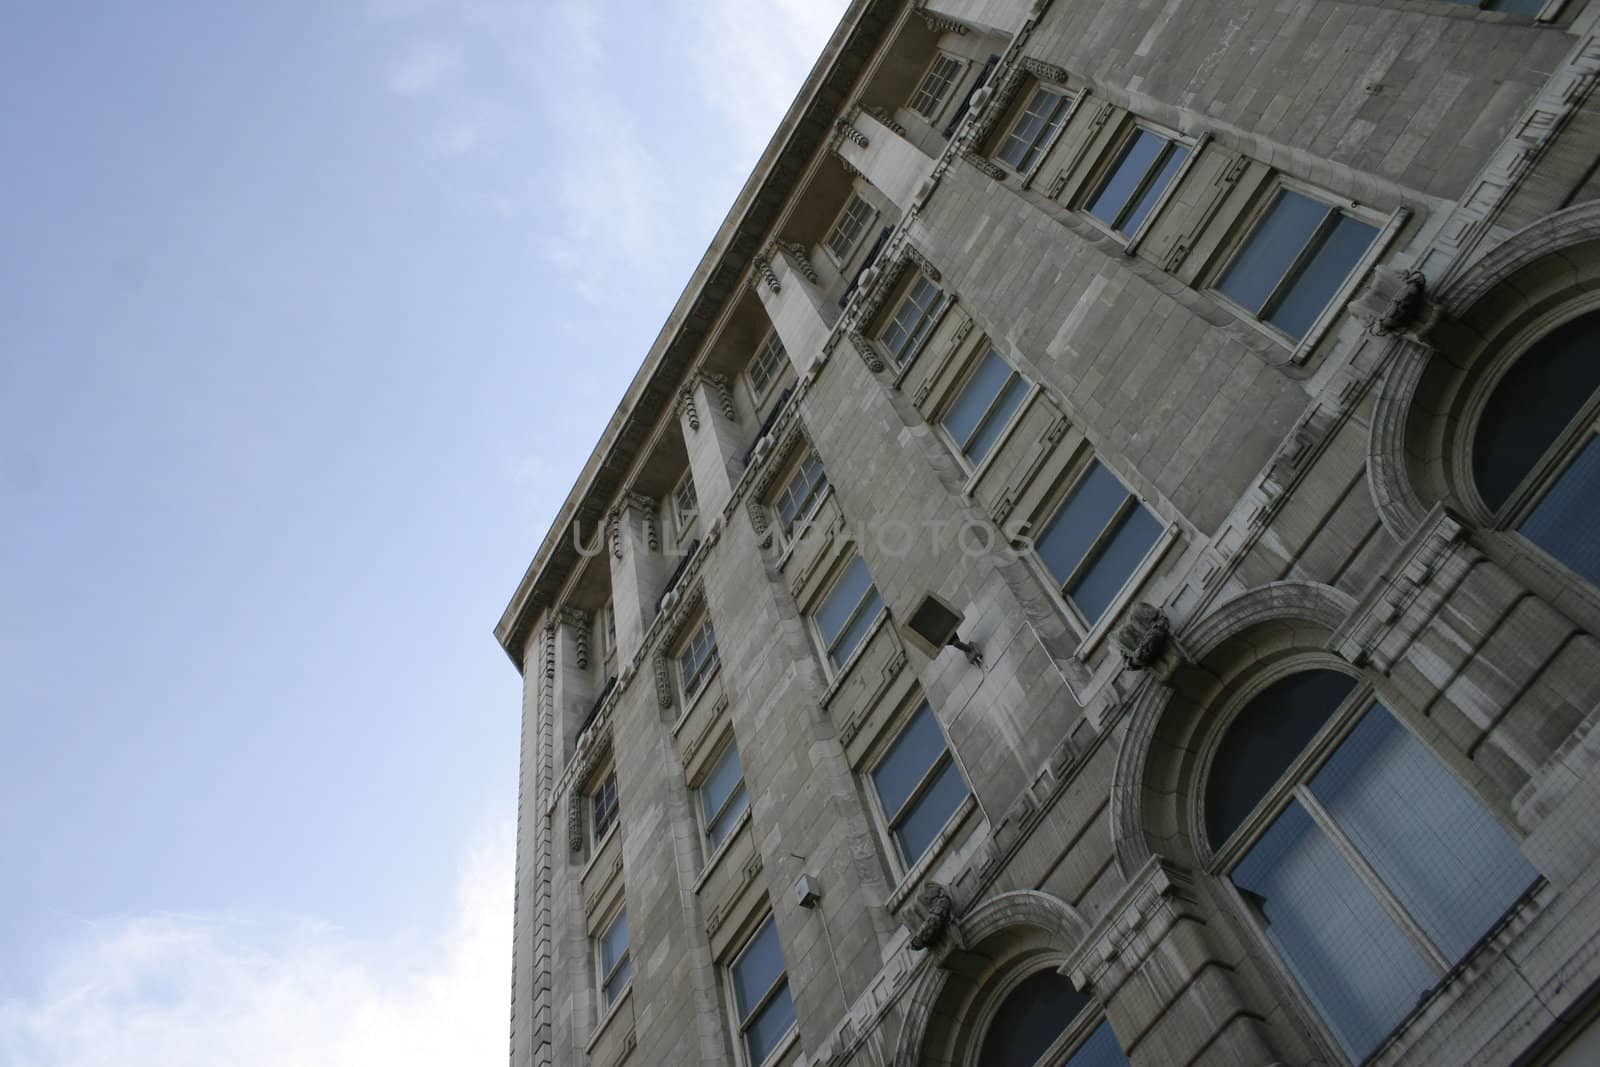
x=609, y=1017
x=792, y=539
x=845, y=669
x=913, y=877
x=714, y=860
x=1018, y=417
x=599, y=848
x=690, y=703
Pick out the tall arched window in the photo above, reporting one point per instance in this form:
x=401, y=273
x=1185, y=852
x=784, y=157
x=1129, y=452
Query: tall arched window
x=1044, y=1022
x=1535, y=460
x=1355, y=851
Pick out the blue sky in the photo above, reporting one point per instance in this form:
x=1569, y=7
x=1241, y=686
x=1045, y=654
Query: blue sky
x=309, y=315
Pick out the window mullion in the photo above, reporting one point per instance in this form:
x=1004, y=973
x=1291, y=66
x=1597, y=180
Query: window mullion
x=923, y=785
x=1146, y=180
x=1368, y=874
x=1098, y=545
x=1296, y=268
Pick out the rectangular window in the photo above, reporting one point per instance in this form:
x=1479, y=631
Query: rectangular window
x=1294, y=261
x=604, y=803
x=984, y=407
x=761, y=994
x=1096, y=541
x=1515, y=7
x=696, y=661
x=919, y=785
x=767, y=365
x=930, y=96
x=848, y=612
x=608, y=631
x=616, y=965
x=847, y=228
x=800, y=496
x=685, y=503
x=1034, y=127
x=913, y=319
x=1144, y=169
x=723, y=798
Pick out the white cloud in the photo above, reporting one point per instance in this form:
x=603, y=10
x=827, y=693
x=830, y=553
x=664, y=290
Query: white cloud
x=423, y=69
x=164, y=991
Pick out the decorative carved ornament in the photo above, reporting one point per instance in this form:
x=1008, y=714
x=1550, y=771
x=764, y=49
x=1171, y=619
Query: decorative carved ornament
x=1395, y=302
x=1143, y=637
x=687, y=409
x=886, y=120
x=851, y=134
x=799, y=258
x=580, y=622
x=938, y=907
x=764, y=273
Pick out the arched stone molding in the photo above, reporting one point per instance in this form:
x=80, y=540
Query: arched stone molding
x=1534, y=270
x=1154, y=756
x=1016, y=931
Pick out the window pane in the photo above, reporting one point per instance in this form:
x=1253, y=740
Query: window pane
x=1355, y=964
x=719, y=829
x=838, y=605
x=614, y=942
x=1319, y=279
x=1274, y=728
x=1453, y=867
x=980, y=391
x=1116, y=563
x=1137, y=159
x=757, y=968
x=931, y=811
x=770, y=1026
x=619, y=981
x=1152, y=192
x=1271, y=249
x=1565, y=522
x=721, y=782
x=1087, y=510
x=1532, y=404
x=999, y=418
x=1517, y=7
x=857, y=630
x=907, y=760
x=1030, y=1019
x=1100, y=1050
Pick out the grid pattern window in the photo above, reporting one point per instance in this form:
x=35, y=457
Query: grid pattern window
x=604, y=806
x=723, y=798
x=919, y=785
x=913, y=320
x=1371, y=870
x=767, y=365
x=1295, y=259
x=616, y=964
x=847, y=229
x=1031, y=133
x=761, y=994
x=984, y=407
x=1536, y=448
x=931, y=95
x=685, y=503
x=800, y=496
x=1144, y=169
x=1045, y=1022
x=1096, y=541
x=848, y=612
x=697, y=660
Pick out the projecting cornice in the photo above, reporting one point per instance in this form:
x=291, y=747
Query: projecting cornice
x=805, y=129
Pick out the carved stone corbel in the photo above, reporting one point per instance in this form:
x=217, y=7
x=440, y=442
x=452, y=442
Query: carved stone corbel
x=646, y=508
x=1144, y=637
x=724, y=391
x=851, y=134
x=1395, y=302
x=937, y=906
x=758, y=519
x=687, y=409
x=1047, y=72
x=869, y=353
x=575, y=821
x=764, y=272
x=885, y=119
x=579, y=621
x=985, y=165
x=938, y=23
x=922, y=263
x=799, y=258
x=663, y=681
x=614, y=531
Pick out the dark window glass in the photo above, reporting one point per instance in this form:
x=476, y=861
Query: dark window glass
x=1104, y=578
x=723, y=797
x=1261, y=743
x=1036, y=1013
x=931, y=811
x=761, y=992
x=1152, y=192
x=1078, y=524
x=1533, y=404
x=1321, y=276
x=1099, y=511
x=1564, y=524
x=1271, y=249
x=1100, y=1049
x=1137, y=159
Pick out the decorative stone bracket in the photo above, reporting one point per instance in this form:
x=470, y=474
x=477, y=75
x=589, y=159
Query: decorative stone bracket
x=1395, y=302
x=937, y=907
x=579, y=621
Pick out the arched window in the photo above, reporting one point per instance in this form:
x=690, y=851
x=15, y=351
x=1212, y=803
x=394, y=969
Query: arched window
x=1044, y=1022
x=1535, y=460
x=1356, y=852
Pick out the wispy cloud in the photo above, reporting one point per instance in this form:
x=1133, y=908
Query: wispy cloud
x=423, y=68
x=166, y=991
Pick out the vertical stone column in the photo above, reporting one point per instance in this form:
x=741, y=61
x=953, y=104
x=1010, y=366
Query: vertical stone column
x=893, y=165
x=1168, y=988
x=714, y=439
x=638, y=569
x=531, y=987
x=575, y=681
x=797, y=309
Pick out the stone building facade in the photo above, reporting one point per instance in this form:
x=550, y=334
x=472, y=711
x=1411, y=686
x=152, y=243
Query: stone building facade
x=1100, y=564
